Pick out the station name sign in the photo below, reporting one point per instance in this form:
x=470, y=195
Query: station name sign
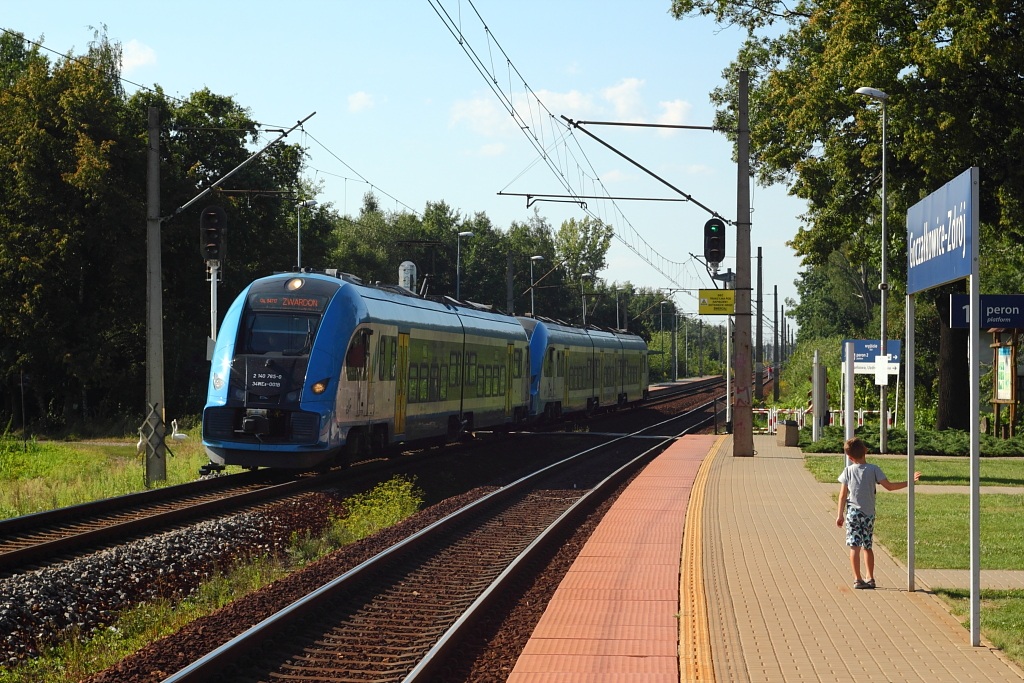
x=940, y=234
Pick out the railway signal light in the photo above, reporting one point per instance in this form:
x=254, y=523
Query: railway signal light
x=714, y=240
x=213, y=224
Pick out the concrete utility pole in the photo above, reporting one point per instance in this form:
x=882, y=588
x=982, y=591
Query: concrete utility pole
x=775, y=349
x=153, y=428
x=743, y=415
x=759, y=358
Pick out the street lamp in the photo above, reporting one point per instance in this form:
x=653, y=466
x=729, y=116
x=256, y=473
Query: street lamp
x=883, y=286
x=583, y=297
x=458, y=261
x=533, y=259
x=298, y=232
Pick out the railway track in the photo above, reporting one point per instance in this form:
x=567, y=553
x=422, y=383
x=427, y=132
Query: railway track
x=57, y=535
x=401, y=615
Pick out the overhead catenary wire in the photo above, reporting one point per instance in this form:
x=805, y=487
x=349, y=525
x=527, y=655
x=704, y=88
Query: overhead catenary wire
x=534, y=134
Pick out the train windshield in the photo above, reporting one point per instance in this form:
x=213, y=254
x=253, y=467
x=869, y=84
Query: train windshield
x=288, y=334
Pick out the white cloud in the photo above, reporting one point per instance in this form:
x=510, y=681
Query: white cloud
x=494, y=149
x=486, y=116
x=674, y=113
x=625, y=98
x=483, y=116
x=613, y=176
x=700, y=169
x=360, y=101
x=135, y=55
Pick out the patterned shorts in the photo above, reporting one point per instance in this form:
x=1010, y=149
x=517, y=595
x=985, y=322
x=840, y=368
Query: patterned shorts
x=859, y=528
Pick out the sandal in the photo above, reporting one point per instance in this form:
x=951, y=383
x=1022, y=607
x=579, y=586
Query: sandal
x=859, y=584
x=871, y=583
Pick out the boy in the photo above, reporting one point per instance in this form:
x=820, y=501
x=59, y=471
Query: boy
x=857, y=506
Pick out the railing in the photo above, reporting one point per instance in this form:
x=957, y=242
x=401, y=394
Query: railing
x=769, y=418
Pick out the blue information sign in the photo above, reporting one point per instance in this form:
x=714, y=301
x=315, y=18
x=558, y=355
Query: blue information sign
x=865, y=351
x=940, y=234
x=1005, y=311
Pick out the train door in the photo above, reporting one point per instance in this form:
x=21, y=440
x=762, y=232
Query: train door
x=401, y=381
x=355, y=372
x=563, y=371
x=508, y=379
x=371, y=371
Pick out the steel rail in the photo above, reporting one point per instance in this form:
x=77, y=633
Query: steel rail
x=228, y=655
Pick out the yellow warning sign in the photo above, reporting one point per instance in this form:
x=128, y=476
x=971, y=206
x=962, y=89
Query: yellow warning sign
x=717, y=302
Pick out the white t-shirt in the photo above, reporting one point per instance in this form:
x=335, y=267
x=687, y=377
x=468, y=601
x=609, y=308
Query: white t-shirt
x=861, y=481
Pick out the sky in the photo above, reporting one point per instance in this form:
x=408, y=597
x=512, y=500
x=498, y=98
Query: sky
x=404, y=108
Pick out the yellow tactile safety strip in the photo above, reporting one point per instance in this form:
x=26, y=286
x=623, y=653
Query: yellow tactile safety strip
x=694, y=633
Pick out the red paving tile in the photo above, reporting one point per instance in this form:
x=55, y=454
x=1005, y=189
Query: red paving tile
x=615, y=618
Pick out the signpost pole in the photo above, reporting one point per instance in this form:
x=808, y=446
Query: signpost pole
x=908, y=423
x=942, y=246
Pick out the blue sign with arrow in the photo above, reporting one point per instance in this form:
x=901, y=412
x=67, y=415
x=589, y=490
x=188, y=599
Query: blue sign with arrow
x=865, y=351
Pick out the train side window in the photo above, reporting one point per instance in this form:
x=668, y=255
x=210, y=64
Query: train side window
x=435, y=378
x=453, y=363
x=517, y=363
x=444, y=382
x=424, y=375
x=414, y=382
x=392, y=356
x=549, y=363
x=355, y=358
x=501, y=381
x=471, y=368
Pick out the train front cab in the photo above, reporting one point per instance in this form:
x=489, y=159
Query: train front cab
x=273, y=379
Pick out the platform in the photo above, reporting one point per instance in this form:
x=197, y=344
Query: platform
x=715, y=568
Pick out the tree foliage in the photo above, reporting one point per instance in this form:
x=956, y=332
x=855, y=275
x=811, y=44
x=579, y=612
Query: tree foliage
x=952, y=71
x=73, y=238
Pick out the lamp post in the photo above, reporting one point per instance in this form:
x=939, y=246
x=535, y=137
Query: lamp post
x=458, y=262
x=583, y=296
x=883, y=286
x=533, y=259
x=298, y=229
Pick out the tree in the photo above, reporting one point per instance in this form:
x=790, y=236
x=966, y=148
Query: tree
x=952, y=73
x=582, y=246
x=73, y=230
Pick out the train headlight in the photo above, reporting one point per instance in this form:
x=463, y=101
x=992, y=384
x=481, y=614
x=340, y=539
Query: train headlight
x=294, y=284
x=321, y=386
x=218, y=381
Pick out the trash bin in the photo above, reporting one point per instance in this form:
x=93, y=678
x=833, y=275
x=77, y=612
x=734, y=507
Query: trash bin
x=787, y=433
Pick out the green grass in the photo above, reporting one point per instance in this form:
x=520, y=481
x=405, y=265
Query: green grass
x=942, y=532
x=1002, y=617
x=935, y=470
x=52, y=474
x=75, y=657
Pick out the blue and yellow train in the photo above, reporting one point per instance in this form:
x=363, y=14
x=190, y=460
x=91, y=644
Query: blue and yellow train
x=313, y=369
